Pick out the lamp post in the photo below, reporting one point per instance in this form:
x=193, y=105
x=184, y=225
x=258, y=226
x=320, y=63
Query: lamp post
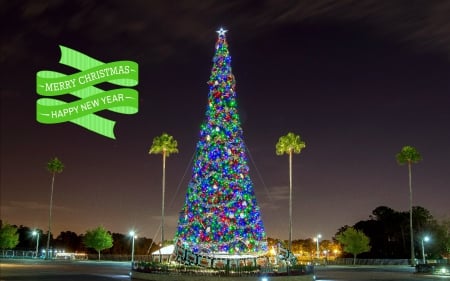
x=133, y=235
x=317, y=243
x=426, y=239
x=36, y=233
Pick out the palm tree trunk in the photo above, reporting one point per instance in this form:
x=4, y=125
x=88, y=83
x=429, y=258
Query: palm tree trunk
x=413, y=258
x=163, y=195
x=50, y=219
x=290, y=201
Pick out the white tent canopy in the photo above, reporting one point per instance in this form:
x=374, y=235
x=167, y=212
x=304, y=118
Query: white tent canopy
x=168, y=250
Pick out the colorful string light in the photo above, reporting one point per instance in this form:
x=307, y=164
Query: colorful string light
x=220, y=214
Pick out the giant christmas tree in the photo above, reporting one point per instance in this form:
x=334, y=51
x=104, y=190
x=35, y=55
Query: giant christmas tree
x=220, y=214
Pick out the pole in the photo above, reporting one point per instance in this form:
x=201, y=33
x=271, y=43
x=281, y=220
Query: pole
x=413, y=258
x=133, y=236
x=317, y=245
x=317, y=250
x=160, y=254
x=35, y=233
x=162, y=205
x=37, y=245
x=423, y=253
x=424, y=239
x=47, y=255
x=290, y=201
x=132, y=251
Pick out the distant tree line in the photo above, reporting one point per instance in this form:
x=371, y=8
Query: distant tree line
x=389, y=234
x=387, y=231
x=21, y=238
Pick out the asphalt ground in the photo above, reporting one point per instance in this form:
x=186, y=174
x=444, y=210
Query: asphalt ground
x=51, y=270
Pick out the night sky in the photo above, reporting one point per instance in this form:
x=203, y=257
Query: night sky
x=357, y=80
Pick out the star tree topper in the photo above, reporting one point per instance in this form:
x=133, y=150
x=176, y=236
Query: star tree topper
x=221, y=31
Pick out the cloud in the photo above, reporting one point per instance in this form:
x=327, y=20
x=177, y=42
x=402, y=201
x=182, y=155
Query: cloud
x=274, y=198
x=153, y=32
x=425, y=24
x=30, y=206
x=278, y=193
x=159, y=29
x=169, y=220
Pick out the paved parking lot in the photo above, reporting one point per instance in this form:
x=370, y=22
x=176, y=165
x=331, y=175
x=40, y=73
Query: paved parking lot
x=42, y=270
x=372, y=273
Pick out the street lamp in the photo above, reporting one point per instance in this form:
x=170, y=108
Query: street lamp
x=36, y=233
x=426, y=239
x=335, y=252
x=317, y=243
x=133, y=235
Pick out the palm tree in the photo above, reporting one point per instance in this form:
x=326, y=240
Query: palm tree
x=54, y=166
x=165, y=145
x=409, y=155
x=290, y=144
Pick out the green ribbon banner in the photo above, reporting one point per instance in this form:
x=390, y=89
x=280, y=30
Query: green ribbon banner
x=90, y=99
